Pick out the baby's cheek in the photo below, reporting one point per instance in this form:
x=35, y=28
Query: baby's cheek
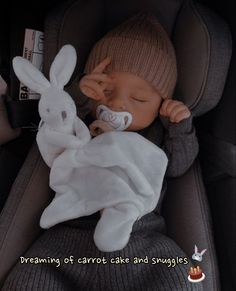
x=140, y=122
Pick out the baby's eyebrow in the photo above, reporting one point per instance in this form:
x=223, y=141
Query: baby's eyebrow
x=140, y=89
x=141, y=93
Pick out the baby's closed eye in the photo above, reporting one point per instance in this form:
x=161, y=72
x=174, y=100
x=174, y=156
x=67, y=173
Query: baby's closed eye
x=139, y=99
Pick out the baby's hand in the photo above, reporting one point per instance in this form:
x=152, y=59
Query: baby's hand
x=93, y=85
x=174, y=110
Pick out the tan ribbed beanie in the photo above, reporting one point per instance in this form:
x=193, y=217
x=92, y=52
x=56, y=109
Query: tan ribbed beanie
x=140, y=46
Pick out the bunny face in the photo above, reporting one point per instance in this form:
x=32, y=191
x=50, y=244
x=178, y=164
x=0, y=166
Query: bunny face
x=197, y=256
x=56, y=112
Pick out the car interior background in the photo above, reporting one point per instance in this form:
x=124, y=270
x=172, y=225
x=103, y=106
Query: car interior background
x=199, y=207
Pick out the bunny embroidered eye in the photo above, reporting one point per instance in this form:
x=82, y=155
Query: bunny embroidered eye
x=48, y=110
x=64, y=115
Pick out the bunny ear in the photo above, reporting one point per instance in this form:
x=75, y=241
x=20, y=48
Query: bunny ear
x=203, y=251
x=63, y=66
x=29, y=75
x=195, y=249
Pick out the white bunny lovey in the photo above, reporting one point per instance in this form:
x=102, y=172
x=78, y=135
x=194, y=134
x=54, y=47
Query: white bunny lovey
x=118, y=171
x=59, y=128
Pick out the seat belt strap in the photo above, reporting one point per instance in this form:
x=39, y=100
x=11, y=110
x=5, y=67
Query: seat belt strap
x=23, y=114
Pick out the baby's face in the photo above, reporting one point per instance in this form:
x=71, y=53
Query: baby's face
x=130, y=93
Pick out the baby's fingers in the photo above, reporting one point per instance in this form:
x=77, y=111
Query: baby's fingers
x=179, y=114
x=90, y=93
x=102, y=80
x=175, y=110
x=167, y=106
x=97, y=77
x=102, y=65
x=92, y=89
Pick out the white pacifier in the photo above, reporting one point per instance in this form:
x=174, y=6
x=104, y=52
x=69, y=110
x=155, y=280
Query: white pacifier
x=117, y=120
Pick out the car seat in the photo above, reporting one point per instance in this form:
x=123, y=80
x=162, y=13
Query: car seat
x=15, y=136
x=203, y=48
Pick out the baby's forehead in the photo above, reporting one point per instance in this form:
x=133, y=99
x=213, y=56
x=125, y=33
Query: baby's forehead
x=130, y=80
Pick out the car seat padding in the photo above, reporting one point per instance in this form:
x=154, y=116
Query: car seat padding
x=19, y=220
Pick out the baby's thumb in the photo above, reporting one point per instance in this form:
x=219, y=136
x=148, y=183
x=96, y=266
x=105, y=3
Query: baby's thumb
x=90, y=93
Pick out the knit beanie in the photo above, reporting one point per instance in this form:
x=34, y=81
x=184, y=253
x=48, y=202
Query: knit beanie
x=142, y=47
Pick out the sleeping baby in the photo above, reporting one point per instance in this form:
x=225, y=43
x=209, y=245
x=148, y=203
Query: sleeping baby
x=130, y=78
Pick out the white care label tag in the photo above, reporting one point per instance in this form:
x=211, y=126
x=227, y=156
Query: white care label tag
x=33, y=52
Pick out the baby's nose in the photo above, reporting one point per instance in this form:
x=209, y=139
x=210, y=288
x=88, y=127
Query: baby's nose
x=116, y=102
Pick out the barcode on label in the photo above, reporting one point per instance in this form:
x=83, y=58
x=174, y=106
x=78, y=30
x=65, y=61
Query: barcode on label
x=33, y=52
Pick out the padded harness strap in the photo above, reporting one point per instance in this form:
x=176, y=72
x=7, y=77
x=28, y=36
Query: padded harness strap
x=23, y=114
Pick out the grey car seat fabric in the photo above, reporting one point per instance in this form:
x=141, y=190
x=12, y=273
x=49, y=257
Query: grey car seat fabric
x=202, y=74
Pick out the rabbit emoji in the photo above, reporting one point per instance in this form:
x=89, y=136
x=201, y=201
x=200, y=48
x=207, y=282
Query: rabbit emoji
x=198, y=255
x=59, y=128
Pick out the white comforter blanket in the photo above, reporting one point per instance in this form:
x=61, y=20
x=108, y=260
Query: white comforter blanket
x=120, y=172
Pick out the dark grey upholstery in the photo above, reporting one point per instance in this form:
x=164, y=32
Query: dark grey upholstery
x=188, y=219
x=203, y=47
x=203, y=59
x=19, y=220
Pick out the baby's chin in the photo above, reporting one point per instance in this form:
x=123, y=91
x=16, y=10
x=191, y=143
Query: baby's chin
x=134, y=127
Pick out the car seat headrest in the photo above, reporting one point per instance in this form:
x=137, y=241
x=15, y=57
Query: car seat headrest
x=203, y=49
